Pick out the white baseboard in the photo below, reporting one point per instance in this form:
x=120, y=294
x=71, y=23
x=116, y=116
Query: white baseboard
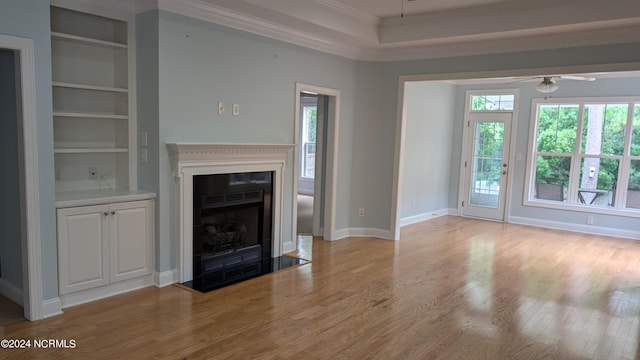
x=102, y=292
x=587, y=229
x=288, y=247
x=165, y=278
x=363, y=232
x=12, y=292
x=427, y=216
x=51, y=307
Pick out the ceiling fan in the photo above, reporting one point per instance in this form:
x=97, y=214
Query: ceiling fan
x=549, y=83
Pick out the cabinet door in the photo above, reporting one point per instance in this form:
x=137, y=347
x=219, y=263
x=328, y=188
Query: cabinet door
x=83, y=249
x=131, y=240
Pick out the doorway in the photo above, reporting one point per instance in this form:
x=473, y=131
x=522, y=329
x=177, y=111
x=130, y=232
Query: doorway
x=22, y=70
x=11, y=287
x=310, y=155
x=486, y=165
x=316, y=139
x=486, y=148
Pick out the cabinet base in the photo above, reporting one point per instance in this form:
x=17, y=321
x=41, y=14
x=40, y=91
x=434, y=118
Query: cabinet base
x=85, y=296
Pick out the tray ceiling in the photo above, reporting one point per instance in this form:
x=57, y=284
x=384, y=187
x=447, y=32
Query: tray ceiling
x=374, y=30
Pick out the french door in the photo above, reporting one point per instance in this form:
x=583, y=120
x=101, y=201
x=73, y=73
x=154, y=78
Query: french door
x=486, y=165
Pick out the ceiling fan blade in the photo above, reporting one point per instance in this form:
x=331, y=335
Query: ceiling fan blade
x=520, y=80
x=576, y=77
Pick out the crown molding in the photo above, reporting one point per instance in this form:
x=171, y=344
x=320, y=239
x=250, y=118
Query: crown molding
x=349, y=11
x=341, y=44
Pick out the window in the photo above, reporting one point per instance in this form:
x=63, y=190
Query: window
x=309, y=110
x=492, y=102
x=586, y=153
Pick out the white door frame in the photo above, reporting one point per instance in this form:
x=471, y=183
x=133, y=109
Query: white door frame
x=398, y=163
x=330, y=175
x=30, y=193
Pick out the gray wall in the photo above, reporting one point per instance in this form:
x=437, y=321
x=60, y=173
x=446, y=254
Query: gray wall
x=10, y=240
x=147, y=102
x=30, y=19
x=429, y=122
x=200, y=64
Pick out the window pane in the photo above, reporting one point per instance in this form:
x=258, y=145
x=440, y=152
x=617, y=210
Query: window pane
x=633, y=192
x=478, y=102
x=635, y=137
x=506, y=102
x=309, y=124
x=604, y=127
x=492, y=102
x=557, y=128
x=552, y=176
x=487, y=163
x=598, y=178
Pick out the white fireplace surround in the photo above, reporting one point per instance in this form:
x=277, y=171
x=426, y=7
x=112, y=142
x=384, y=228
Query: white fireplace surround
x=189, y=159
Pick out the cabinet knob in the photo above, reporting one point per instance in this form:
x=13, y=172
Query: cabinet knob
x=113, y=213
x=106, y=213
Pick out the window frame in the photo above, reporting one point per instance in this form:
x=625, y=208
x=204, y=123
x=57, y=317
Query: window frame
x=577, y=156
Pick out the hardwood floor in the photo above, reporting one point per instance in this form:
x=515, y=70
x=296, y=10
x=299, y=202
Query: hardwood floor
x=452, y=288
x=10, y=312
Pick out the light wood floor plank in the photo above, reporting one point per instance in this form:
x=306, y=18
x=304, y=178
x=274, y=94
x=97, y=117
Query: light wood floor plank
x=451, y=288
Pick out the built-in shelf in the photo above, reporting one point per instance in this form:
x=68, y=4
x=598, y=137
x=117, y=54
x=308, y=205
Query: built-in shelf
x=89, y=150
x=91, y=104
x=89, y=87
x=86, y=41
x=90, y=115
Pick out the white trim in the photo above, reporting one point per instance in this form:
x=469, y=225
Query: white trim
x=206, y=11
x=331, y=170
x=11, y=291
x=464, y=155
x=425, y=216
x=189, y=160
x=51, y=307
x=579, y=228
x=398, y=163
x=120, y=287
x=363, y=232
x=165, y=278
x=289, y=246
x=30, y=207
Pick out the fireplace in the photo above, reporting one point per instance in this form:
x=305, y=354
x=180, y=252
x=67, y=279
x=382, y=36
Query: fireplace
x=241, y=167
x=232, y=227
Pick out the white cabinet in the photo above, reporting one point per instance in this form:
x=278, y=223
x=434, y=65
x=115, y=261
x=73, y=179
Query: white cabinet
x=93, y=128
x=103, y=244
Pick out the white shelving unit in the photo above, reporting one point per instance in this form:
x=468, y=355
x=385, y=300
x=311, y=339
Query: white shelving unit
x=105, y=226
x=91, y=102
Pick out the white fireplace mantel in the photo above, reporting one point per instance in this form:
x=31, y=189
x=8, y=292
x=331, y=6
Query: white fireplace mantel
x=190, y=159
